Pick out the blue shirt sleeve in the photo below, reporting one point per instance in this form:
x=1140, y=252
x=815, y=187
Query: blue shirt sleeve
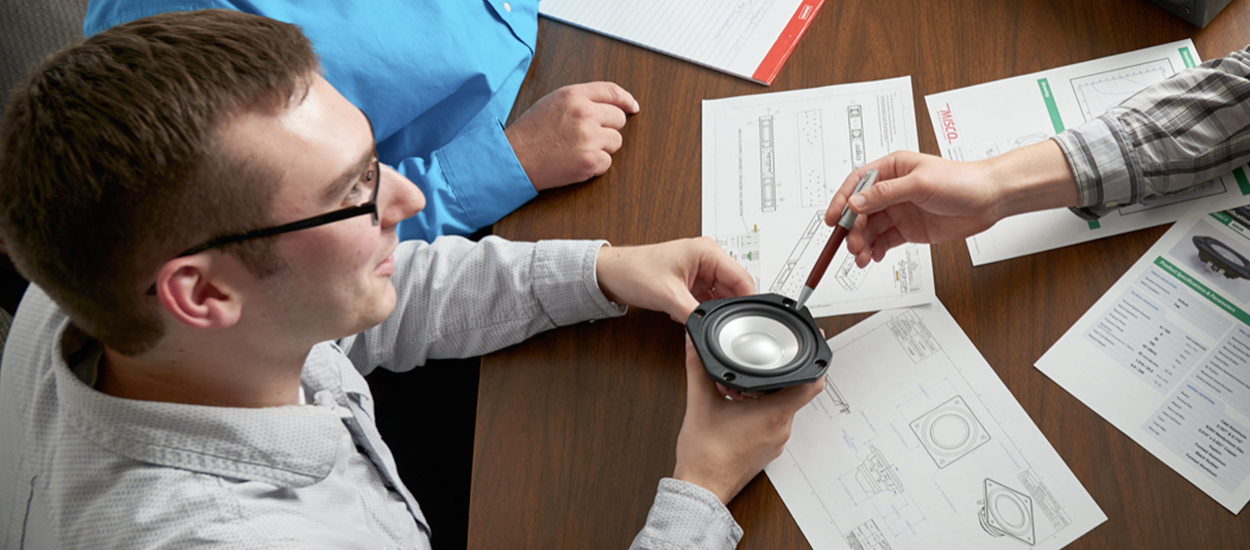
x=470, y=183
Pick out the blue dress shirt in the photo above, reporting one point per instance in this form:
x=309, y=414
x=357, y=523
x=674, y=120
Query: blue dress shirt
x=437, y=78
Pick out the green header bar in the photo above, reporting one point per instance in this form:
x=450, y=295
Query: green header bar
x=1188, y=58
x=1203, y=290
x=1222, y=217
x=1242, y=182
x=1050, y=105
x=1093, y=224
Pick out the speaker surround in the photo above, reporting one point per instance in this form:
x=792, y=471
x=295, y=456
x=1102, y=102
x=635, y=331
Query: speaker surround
x=758, y=343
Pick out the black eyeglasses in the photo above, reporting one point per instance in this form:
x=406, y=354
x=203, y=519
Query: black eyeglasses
x=373, y=176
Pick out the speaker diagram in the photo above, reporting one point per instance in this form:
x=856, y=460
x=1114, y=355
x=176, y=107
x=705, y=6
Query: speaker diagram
x=875, y=475
x=768, y=168
x=867, y=537
x=811, y=152
x=835, y=397
x=950, y=431
x=1006, y=512
x=850, y=276
x=855, y=122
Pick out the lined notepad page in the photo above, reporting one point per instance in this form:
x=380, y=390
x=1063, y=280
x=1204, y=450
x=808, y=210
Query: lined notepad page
x=746, y=38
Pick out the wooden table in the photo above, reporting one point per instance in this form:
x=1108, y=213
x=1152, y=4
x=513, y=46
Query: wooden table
x=576, y=427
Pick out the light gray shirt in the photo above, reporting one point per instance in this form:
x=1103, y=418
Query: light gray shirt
x=1183, y=131
x=81, y=469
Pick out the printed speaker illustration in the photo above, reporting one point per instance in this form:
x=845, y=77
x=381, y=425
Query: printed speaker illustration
x=1220, y=259
x=1007, y=512
x=949, y=431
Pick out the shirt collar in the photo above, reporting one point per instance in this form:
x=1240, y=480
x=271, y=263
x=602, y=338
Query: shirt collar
x=291, y=446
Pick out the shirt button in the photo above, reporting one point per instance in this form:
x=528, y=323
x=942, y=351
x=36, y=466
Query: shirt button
x=507, y=7
x=1111, y=204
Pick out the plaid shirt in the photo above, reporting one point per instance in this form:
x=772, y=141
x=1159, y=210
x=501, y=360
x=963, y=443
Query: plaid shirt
x=1186, y=130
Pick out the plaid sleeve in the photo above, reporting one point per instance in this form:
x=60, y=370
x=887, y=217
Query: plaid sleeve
x=1171, y=136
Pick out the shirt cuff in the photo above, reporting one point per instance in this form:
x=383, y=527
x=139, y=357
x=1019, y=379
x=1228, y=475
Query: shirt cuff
x=566, y=284
x=485, y=175
x=1102, y=165
x=687, y=517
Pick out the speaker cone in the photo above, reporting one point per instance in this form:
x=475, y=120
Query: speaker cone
x=758, y=343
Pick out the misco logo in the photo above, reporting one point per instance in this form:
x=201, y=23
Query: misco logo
x=948, y=124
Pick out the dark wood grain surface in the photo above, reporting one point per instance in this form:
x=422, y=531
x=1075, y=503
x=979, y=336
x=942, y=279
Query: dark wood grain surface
x=576, y=427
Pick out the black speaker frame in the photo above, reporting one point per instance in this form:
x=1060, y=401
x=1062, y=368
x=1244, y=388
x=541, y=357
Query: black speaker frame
x=807, y=366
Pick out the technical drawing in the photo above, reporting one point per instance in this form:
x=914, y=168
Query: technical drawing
x=768, y=169
x=812, y=159
x=835, y=397
x=794, y=272
x=867, y=537
x=1098, y=92
x=950, y=431
x=1007, y=512
x=876, y=476
x=850, y=276
x=745, y=249
x=855, y=121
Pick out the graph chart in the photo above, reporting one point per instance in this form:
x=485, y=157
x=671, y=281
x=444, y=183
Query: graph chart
x=1098, y=92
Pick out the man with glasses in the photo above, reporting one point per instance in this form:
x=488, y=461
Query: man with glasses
x=212, y=242
x=439, y=79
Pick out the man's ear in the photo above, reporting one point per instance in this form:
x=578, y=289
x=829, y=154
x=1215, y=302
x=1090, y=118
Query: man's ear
x=194, y=290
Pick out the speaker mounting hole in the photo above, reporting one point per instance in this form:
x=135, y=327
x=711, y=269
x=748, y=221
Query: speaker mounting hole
x=729, y=376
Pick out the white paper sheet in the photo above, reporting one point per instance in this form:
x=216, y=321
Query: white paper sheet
x=771, y=164
x=1165, y=356
x=746, y=38
x=916, y=443
x=990, y=119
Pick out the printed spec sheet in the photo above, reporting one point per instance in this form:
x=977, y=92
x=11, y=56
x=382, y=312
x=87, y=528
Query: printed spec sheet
x=989, y=119
x=771, y=164
x=1165, y=354
x=916, y=444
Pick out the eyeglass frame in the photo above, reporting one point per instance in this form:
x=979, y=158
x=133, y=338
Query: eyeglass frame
x=370, y=208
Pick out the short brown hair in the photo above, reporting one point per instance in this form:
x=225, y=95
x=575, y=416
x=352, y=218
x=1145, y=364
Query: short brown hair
x=110, y=165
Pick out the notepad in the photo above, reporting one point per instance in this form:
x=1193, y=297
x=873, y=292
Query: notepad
x=747, y=38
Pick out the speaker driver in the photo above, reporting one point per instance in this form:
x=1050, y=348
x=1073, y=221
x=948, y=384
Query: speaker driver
x=758, y=343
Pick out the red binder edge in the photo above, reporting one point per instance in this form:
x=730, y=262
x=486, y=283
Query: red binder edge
x=790, y=36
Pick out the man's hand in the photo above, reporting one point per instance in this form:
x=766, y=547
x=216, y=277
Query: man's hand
x=570, y=134
x=672, y=277
x=723, y=443
x=926, y=199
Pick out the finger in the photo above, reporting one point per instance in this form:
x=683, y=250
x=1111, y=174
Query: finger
x=609, y=140
x=876, y=225
x=600, y=162
x=612, y=94
x=796, y=397
x=885, y=242
x=839, y=199
x=889, y=192
x=699, y=388
x=609, y=116
x=684, y=303
x=730, y=279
